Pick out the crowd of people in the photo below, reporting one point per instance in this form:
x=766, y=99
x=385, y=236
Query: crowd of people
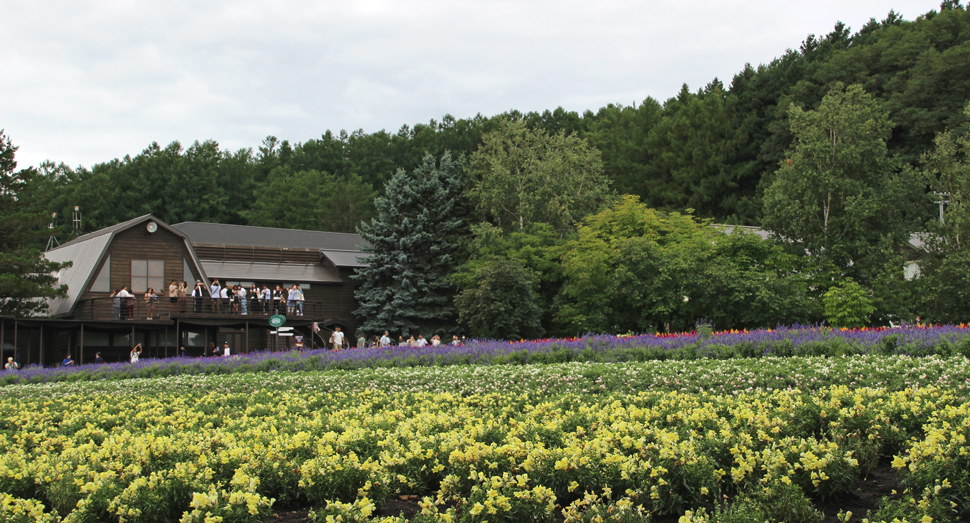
x=339, y=341
x=215, y=298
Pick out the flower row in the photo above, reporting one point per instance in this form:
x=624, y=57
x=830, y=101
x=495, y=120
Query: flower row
x=156, y=452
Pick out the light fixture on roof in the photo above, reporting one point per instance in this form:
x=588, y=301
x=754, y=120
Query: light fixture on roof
x=152, y=227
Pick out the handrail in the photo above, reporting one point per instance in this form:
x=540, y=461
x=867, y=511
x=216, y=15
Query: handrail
x=163, y=308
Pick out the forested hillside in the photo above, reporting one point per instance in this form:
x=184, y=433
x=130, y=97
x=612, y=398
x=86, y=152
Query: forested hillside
x=711, y=149
x=562, y=223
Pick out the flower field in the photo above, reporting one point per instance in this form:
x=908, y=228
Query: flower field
x=781, y=342
x=767, y=439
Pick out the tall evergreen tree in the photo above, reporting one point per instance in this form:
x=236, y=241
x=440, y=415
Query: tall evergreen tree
x=26, y=277
x=406, y=287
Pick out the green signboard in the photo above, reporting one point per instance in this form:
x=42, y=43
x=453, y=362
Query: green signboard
x=277, y=320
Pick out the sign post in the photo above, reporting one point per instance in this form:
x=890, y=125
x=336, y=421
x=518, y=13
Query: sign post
x=277, y=321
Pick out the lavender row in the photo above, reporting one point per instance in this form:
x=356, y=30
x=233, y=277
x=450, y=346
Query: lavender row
x=781, y=342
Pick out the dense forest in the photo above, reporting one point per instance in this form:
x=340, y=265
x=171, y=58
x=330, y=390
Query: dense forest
x=734, y=154
x=712, y=149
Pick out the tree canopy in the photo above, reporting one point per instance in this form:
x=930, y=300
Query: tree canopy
x=407, y=288
x=26, y=277
x=521, y=176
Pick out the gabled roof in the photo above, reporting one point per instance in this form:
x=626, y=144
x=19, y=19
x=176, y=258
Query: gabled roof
x=86, y=253
x=200, y=233
x=107, y=230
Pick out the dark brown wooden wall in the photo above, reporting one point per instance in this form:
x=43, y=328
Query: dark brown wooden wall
x=137, y=244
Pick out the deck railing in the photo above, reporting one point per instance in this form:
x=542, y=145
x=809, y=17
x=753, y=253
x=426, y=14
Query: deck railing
x=164, y=308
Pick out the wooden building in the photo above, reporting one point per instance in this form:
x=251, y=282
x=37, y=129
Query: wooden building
x=147, y=253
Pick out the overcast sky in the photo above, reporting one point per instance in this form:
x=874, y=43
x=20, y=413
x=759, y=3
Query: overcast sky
x=83, y=82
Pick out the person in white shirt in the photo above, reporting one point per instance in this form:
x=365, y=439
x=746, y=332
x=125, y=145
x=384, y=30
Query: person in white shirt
x=267, y=305
x=243, y=302
x=337, y=339
x=11, y=364
x=385, y=340
x=127, y=303
x=421, y=341
x=198, y=296
x=226, y=351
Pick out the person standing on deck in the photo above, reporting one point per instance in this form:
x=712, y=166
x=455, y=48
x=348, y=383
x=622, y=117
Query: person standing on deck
x=198, y=295
x=267, y=295
x=173, y=296
x=215, y=292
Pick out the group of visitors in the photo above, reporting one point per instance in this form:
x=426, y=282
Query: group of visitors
x=124, y=303
x=338, y=341
x=215, y=298
x=237, y=299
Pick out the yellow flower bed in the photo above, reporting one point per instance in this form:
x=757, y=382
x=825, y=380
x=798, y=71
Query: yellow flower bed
x=209, y=454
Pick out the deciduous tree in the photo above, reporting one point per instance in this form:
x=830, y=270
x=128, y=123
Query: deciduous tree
x=839, y=196
x=522, y=176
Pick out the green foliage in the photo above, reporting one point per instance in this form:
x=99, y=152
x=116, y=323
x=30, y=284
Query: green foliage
x=940, y=290
x=946, y=169
x=934, y=503
x=839, y=196
x=537, y=251
x=311, y=200
x=521, y=176
x=693, y=153
x=407, y=287
x=620, y=133
x=499, y=302
x=847, y=305
x=26, y=277
x=637, y=269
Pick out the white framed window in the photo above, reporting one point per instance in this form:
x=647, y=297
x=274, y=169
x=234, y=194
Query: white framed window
x=147, y=273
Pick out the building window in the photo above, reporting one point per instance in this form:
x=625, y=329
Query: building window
x=147, y=273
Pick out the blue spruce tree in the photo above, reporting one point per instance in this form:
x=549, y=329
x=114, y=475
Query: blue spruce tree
x=406, y=288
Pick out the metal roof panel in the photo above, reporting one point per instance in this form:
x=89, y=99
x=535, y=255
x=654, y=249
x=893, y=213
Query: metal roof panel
x=345, y=258
x=269, y=272
x=85, y=252
x=245, y=235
